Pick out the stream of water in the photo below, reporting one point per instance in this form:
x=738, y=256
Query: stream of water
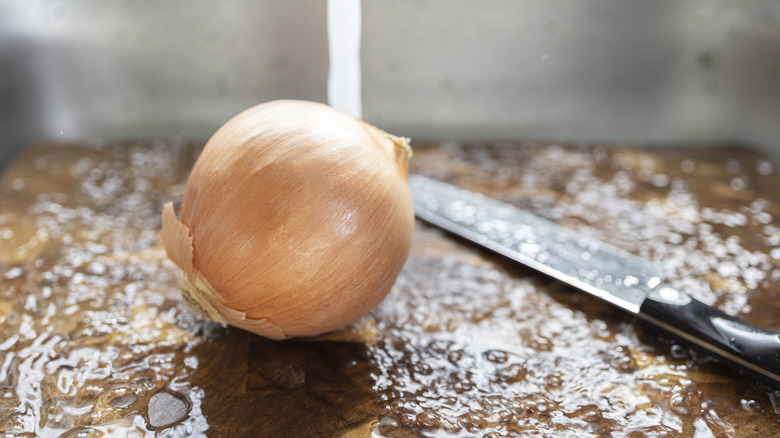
x=344, y=80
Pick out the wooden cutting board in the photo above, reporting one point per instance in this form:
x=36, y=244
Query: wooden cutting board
x=94, y=340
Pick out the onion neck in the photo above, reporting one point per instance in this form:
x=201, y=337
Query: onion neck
x=402, y=151
x=402, y=148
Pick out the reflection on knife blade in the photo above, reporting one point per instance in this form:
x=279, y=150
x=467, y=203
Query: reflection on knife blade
x=609, y=273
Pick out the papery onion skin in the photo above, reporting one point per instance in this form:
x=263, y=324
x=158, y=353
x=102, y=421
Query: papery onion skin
x=296, y=220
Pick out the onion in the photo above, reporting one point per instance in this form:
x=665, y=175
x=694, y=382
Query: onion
x=296, y=220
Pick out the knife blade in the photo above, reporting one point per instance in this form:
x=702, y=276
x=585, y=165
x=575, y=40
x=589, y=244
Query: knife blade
x=614, y=275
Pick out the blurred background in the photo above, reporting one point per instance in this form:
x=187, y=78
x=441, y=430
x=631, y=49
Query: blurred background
x=661, y=72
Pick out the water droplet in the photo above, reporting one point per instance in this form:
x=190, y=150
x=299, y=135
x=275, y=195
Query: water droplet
x=680, y=404
x=624, y=363
x=496, y=356
x=764, y=167
x=733, y=166
x=456, y=356
x=774, y=400
x=13, y=273
x=740, y=183
x=553, y=381
x=473, y=421
x=678, y=351
x=421, y=369
x=630, y=280
x=166, y=409
x=124, y=400
x=669, y=294
x=753, y=406
x=512, y=373
x=653, y=282
x=428, y=420
x=660, y=180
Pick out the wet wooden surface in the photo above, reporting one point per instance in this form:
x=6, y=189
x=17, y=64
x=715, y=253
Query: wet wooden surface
x=94, y=340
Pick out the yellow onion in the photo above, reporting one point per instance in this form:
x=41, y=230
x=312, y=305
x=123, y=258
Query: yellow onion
x=296, y=220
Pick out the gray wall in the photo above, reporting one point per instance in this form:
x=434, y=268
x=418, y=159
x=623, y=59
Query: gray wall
x=438, y=69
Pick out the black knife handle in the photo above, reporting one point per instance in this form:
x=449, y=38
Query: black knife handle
x=748, y=347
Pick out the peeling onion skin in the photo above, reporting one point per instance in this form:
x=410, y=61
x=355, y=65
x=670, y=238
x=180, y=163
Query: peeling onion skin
x=296, y=220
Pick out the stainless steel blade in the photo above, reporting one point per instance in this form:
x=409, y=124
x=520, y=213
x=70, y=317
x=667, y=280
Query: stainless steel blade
x=593, y=266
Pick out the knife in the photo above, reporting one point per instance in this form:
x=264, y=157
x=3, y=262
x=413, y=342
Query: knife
x=605, y=271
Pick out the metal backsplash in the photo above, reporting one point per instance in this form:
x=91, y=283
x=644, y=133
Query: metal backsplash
x=661, y=71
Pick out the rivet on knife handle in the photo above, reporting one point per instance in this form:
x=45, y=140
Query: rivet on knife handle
x=614, y=275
